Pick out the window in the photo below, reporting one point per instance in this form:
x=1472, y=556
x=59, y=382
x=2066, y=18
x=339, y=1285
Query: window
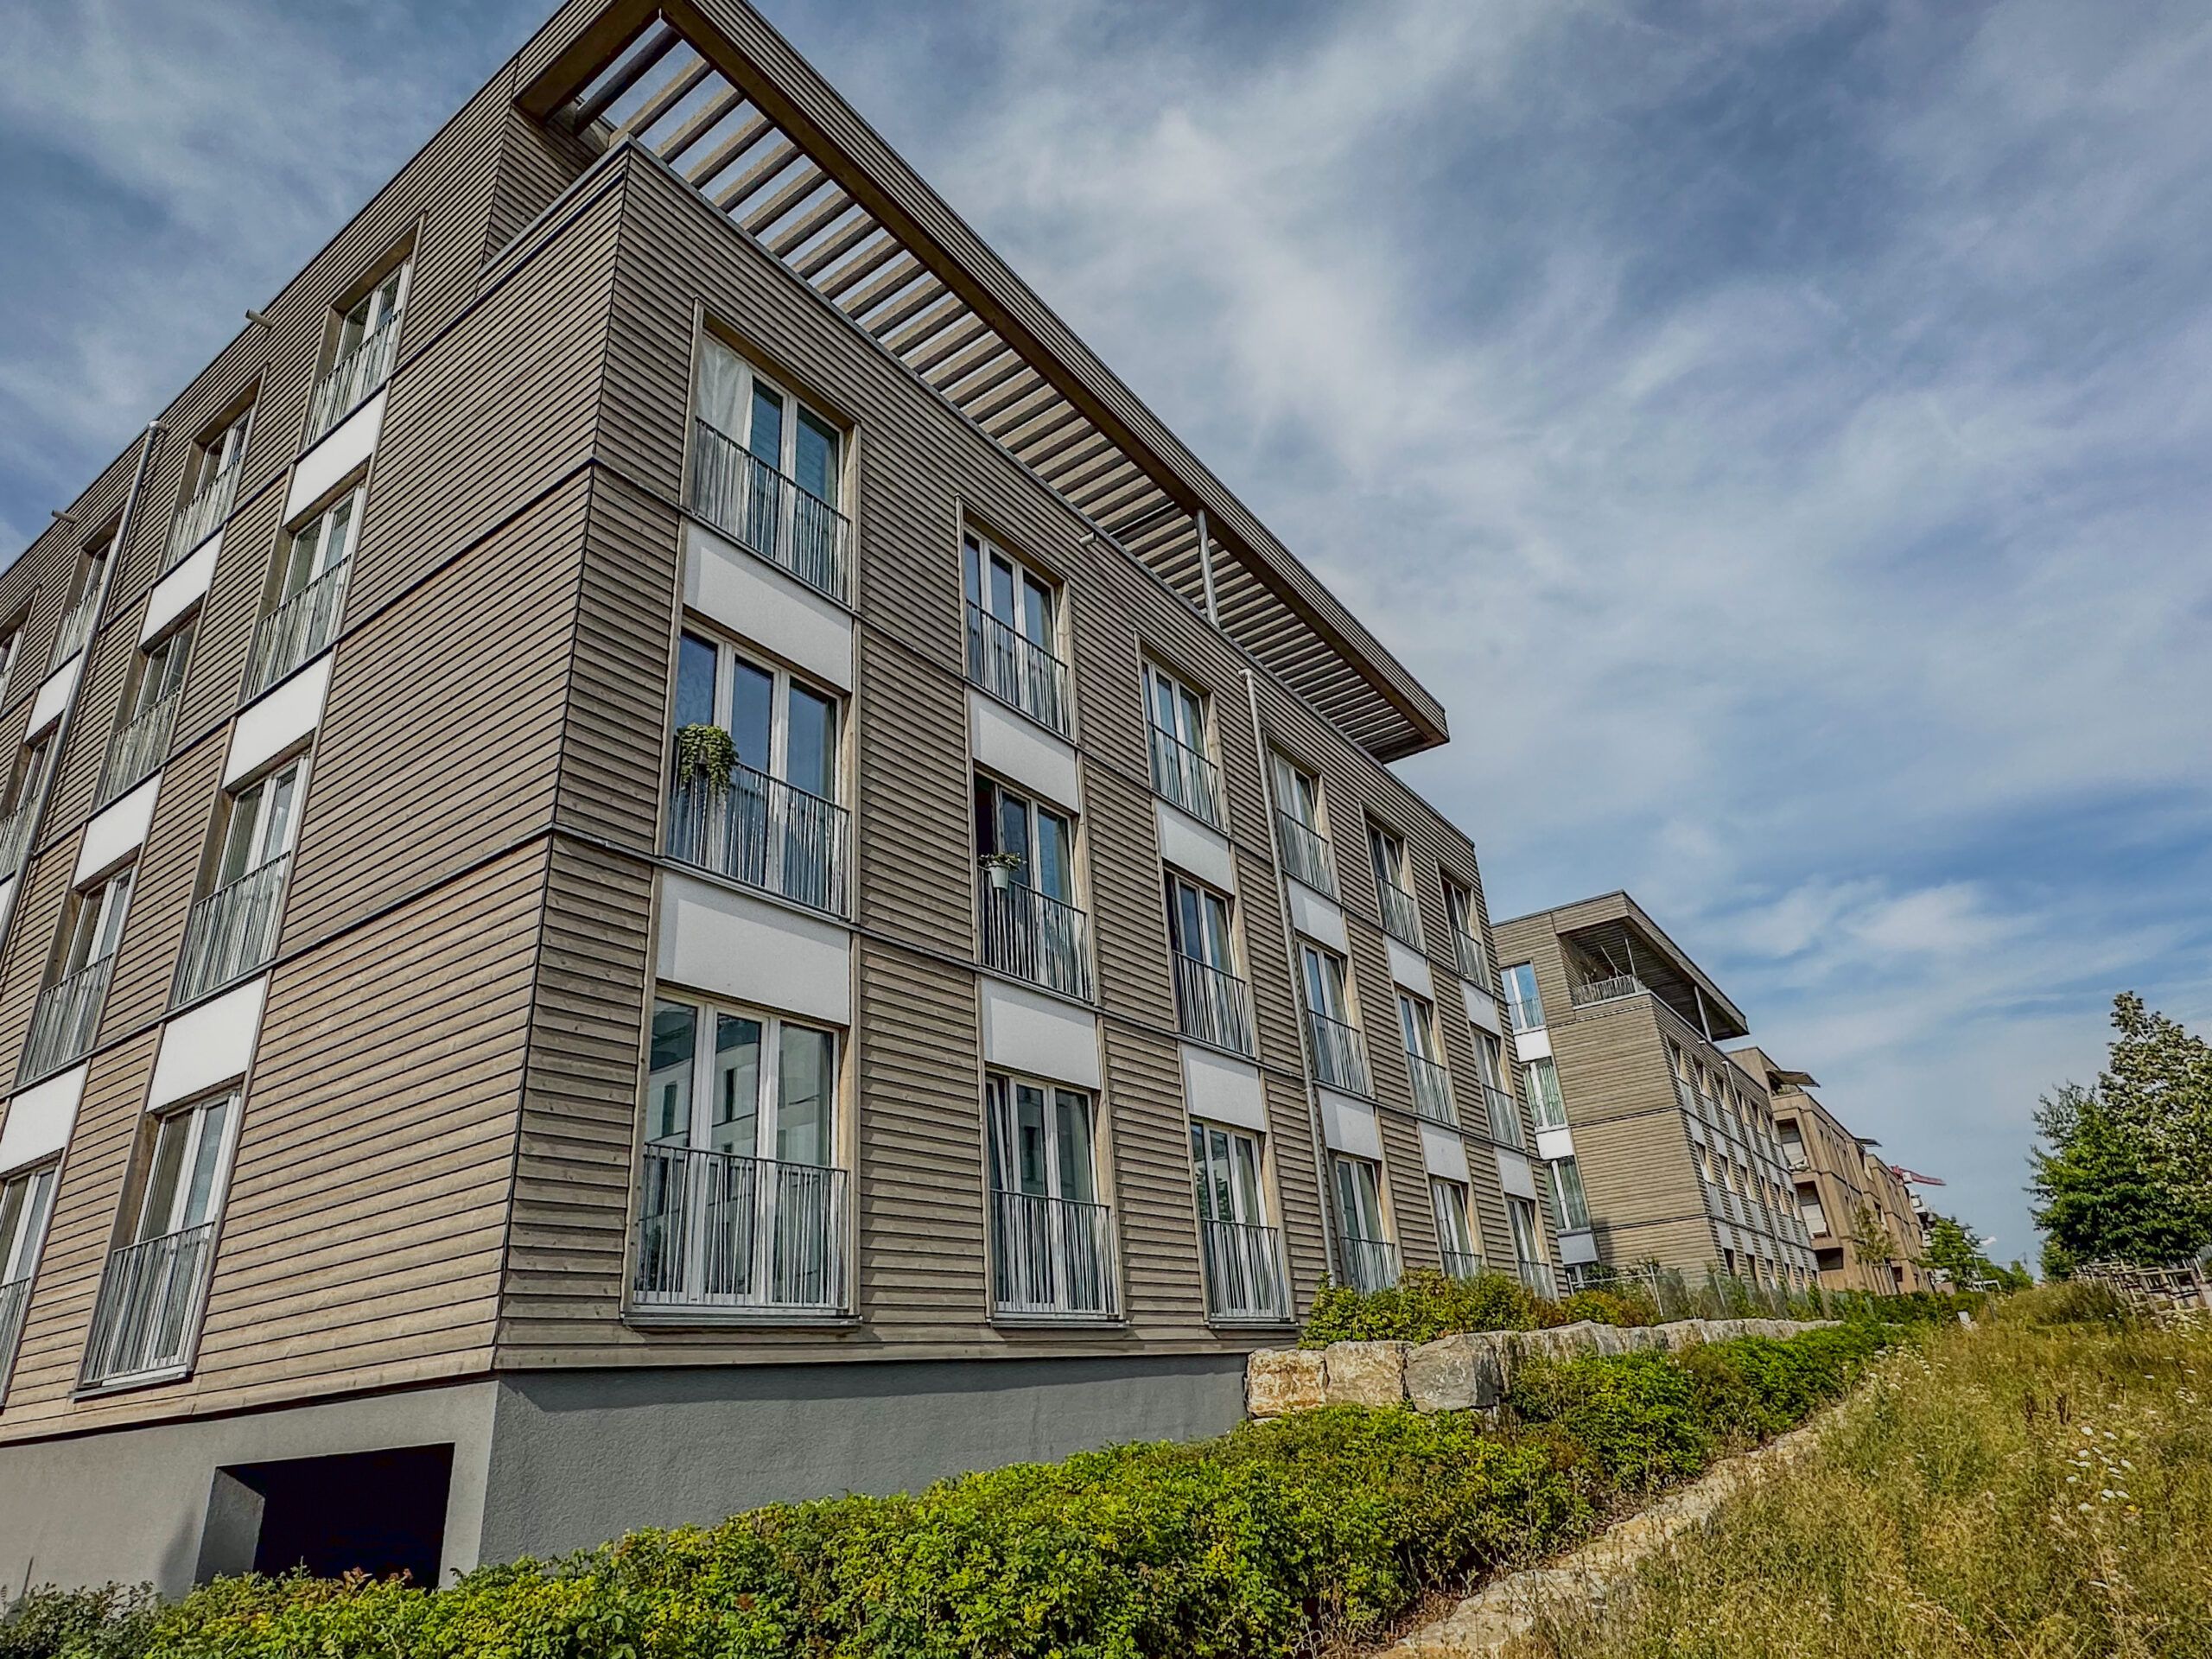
x=149, y=1312
x=1466, y=933
x=1369, y=1259
x=1052, y=1240
x=1339, y=1059
x=140, y=741
x=1394, y=886
x=1504, y=1116
x=768, y=471
x=310, y=587
x=1546, y=1103
x=217, y=454
x=1182, y=770
x=1528, y=1239
x=1031, y=925
x=775, y=823
x=1524, y=1005
x=22, y=803
x=211, y=479
x=1013, y=633
x=742, y=1205
x=11, y=638
x=25, y=1200
x=1566, y=1191
x=1455, y=1236
x=1210, y=999
x=1243, y=1269
x=233, y=931
x=1424, y=1061
x=75, y=626
x=1301, y=829
x=362, y=350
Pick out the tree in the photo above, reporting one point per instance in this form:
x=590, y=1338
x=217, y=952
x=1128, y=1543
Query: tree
x=1954, y=1250
x=1870, y=1238
x=2124, y=1172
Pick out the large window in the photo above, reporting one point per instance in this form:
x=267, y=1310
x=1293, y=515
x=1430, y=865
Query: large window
x=1466, y=933
x=1546, y=1102
x=1301, y=830
x=1524, y=1005
x=1425, y=1060
x=25, y=1200
x=1032, y=927
x=742, y=1205
x=362, y=350
x=1394, y=884
x=140, y=741
x=1244, y=1266
x=1182, y=769
x=233, y=931
x=151, y=1295
x=1013, y=632
x=1052, y=1240
x=69, y=1006
x=1369, y=1259
x=768, y=471
x=774, y=822
x=1455, y=1233
x=211, y=479
x=1566, y=1191
x=23, y=787
x=1503, y=1115
x=75, y=626
x=1339, y=1058
x=310, y=587
x=1211, y=997
x=1527, y=1246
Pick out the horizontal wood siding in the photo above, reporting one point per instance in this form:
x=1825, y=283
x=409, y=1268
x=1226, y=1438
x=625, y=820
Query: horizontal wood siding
x=1156, y=1210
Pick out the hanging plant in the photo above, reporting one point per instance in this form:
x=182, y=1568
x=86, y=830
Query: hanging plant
x=705, y=754
x=1000, y=868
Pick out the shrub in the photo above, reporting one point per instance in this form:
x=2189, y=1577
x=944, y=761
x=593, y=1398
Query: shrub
x=115, y=1620
x=1622, y=1304
x=1424, y=1306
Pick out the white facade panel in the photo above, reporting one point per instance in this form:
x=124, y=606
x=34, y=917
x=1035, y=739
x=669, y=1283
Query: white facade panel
x=732, y=944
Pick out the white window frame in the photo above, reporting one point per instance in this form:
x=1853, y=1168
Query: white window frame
x=1417, y=1026
x=160, y=667
x=1559, y=1170
x=1217, y=914
x=1034, y=807
x=1334, y=982
x=1223, y=1158
x=1528, y=1232
x=707, y=1012
x=978, y=555
x=753, y=379
x=1541, y=1101
x=219, y=454
x=383, y=302
x=1509, y=978
x=1299, y=794
x=178, y=1216
x=329, y=535
x=1455, y=1217
x=96, y=922
x=1358, y=1198
x=729, y=656
x=26, y=1207
x=263, y=845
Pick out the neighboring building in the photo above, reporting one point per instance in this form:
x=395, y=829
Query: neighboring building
x=1848, y=1196
x=1658, y=1146
x=451, y=1119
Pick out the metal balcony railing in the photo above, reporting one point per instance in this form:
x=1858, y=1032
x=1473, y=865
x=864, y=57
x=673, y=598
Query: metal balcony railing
x=68, y=1013
x=149, y=1304
x=1367, y=1263
x=15, y=1303
x=1504, y=1117
x=1051, y=1256
x=763, y=832
x=1524, y=1016
x=1037, y=938
x=1473, y=960
x=1305, y=854
x=1339, y=1056
x=718, y=1230
x=1400, y=915
x=1462, y=1264
x=297, y=631
x=76, y=628
x=1186, y=777
x=1213, y=1005
x=15, y=837
x=769, y=514
x=233, y=931
x=1610, y=989
x=1573, y=1210
x=201, y=517
x=354, y=377
x=137, y=749
x=1432, y=1090
x=1017, y=670
x=1245, y=1274
x=1539, y=1277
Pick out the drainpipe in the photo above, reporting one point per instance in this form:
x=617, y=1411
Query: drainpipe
x=1205, y=570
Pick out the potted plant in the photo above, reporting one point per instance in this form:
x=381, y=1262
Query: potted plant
x=706, y=756
x=1001, y=867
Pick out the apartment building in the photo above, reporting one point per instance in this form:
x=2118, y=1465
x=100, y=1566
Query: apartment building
x=1856, y=1208
x=1657, y=1147
x=663, y=852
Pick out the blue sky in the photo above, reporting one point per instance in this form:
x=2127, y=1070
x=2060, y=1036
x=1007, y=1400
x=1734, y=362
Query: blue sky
x=1778, y=433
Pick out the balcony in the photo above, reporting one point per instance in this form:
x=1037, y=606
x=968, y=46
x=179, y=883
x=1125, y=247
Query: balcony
x=1462, y=1264
x=1245, y=1282
x=68, y=1013
x=1017, y=671
x=1184, y=777
x=1504, y=1117
x=1051, y=1258
x=15, y=837
x=1524, y=1016
x=1032, y=937
x=1539, y=1277
x=770, y=515
x=1212, y=1007
x=353, y=378
x=764, y=833
x=1339, y=1057
x=137, y=749
x=15, y=1303
x=1473, y=960
x=296, y=631
x=1590, y=993
x=1367, y=1263
x=1400, y=915
x=148, y=1310
x=1432, y=1090
x=76, y=626
x=233, y=931
x=1306, y=855
x=717, y=1231
x=201, y=517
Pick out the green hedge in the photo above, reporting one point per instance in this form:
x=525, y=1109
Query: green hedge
x=1423, y=1305
x=1320, y=1527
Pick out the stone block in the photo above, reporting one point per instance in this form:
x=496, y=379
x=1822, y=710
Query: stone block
x=1279, y=1381
x=1365, y=1373
x=1462, y=1373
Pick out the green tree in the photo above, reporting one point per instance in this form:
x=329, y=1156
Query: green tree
x=2158, y=1084
x=1954, y=1250
x=1870, y=1238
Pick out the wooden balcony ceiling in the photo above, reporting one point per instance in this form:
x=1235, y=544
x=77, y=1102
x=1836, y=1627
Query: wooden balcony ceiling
x=717, y=94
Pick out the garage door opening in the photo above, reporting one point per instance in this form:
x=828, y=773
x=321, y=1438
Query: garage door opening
x=382, y=1513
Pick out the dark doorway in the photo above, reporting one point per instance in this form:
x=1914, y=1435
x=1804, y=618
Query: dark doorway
x=381, y=1513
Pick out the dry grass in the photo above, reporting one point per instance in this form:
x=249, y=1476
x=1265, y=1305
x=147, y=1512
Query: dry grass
x=2028, y=1489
